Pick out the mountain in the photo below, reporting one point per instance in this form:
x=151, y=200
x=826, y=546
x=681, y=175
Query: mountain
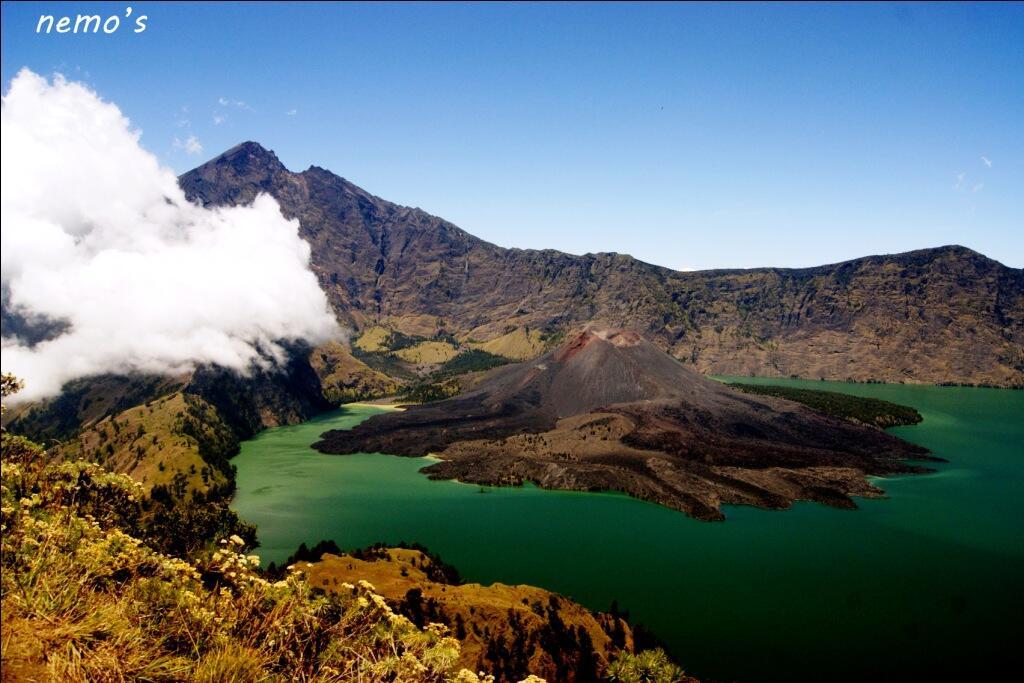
x=944, y=315
x=608, y=410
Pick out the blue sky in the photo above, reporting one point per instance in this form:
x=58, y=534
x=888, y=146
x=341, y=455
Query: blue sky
x=692, y=136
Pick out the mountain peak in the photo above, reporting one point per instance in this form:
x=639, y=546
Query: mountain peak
x=249, y=155
x=594, y=333
x=247, y=169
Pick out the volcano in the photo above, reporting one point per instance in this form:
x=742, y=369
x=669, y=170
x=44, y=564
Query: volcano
x=608, y=410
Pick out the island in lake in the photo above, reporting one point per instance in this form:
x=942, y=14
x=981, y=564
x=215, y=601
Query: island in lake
x=608, y=410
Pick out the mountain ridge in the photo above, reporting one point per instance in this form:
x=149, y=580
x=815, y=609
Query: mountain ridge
x=268, y=157
x=939, y=315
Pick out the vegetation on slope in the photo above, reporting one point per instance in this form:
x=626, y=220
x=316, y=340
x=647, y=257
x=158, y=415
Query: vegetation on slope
x=453, y=377
x=178, y=448
x=520, y=343
x=428, y=353
x=429, y=367
x=413, y=359
x=386, y=363
x=510, y=631
x=474, y=360
x=344, y=378
x=175, y=441
x=432, y=368
x=85, y=597
x=373, y=339
x=872, y=411
x=84, y=402
x=427, y=392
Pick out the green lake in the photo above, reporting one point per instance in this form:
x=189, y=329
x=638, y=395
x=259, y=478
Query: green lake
x=923, y=583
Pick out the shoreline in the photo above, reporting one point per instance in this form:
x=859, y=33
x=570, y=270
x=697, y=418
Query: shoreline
x=370, y=404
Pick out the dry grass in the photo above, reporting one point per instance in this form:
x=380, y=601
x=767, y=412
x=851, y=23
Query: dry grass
x=428, y=353
x=374, y=339
x=519, y=344
x=146, y=443
x=484, y=612
x=345, y=378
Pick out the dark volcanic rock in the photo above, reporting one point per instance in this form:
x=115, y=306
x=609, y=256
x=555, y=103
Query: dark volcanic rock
x=609, y=410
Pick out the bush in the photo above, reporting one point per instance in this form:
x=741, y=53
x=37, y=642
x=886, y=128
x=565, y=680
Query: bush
x=871, y=411
x=473, y=360
x=649, y=666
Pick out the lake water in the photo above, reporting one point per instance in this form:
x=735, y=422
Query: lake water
x=924, y=583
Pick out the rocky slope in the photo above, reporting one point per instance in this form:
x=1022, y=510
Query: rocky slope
x=607, y=410
x=935, y=315
x=511, y=631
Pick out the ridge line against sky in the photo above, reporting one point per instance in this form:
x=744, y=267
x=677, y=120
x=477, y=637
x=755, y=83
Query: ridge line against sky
x=689, y=136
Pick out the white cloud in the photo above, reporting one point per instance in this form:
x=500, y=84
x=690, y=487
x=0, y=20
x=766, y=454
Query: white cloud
x=959, y=180
x=191, y=145
x=985, y=160
x=220, y=117
x=978, y=187
x=97, y=234
x=181, y=119
x=228, y=102
x=291, y=112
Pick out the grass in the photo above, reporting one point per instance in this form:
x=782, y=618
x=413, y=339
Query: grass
x=871, y=411
x=345, y=378
x=428, y=353
x=374, y=339
x=519, y=344
x=159, y=440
